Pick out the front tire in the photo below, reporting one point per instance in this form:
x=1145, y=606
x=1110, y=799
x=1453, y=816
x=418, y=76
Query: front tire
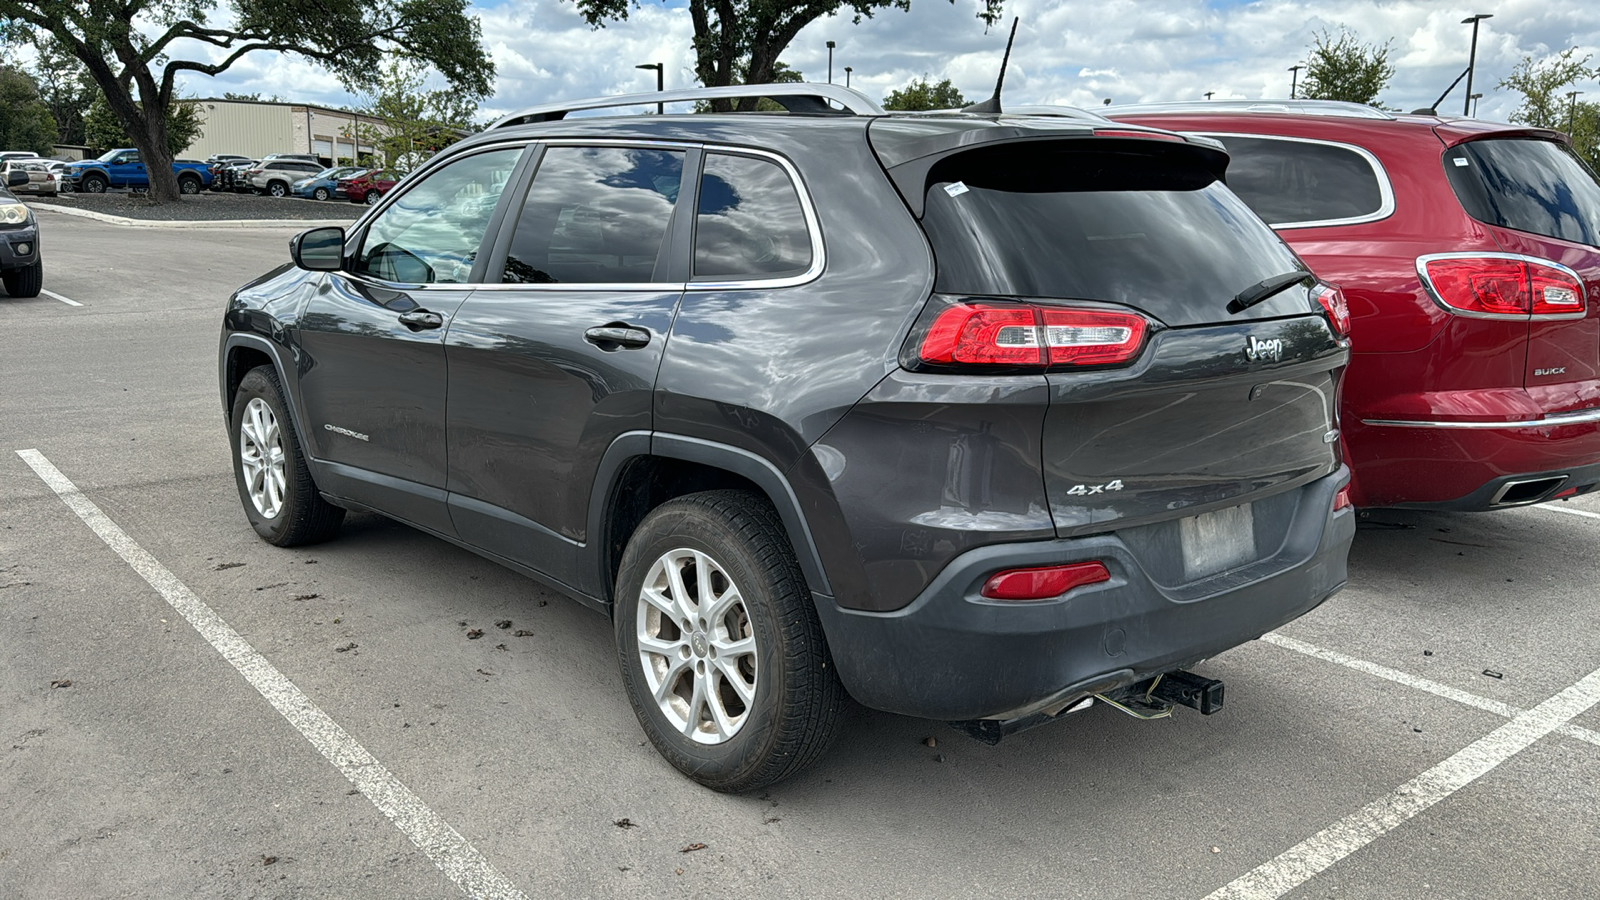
x=25, y=282
x=721, y=652
x=320, y=194
x=94, y=184
x=280, y=499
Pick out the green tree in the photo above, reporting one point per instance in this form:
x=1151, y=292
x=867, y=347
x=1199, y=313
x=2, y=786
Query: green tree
x=102, y=129
x=921, y=95
x=782, y=73
x=1545, y=104
x=739, y=41
x=25, y=122
x=1346, y=69
x=131, y=49
x=417, y=121
x=64, y=85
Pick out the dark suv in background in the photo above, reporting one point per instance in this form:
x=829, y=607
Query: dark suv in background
x=976, y=417
x=1470, y=255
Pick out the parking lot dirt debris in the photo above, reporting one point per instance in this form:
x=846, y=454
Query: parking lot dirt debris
x=692, y=848
x=625, y=823
x=300, y=597
x=474, y=634
x=62, y=683
x=228, y=565
x=503, y=623
x=931, y=742
x=346, y=648
x=1493, y=674
x=522, y=632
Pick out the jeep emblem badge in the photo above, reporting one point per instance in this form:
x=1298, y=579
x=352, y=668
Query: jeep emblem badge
x=1258, y=349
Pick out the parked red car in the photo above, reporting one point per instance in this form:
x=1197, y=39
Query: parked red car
x=367, y=187
x=1468, y=254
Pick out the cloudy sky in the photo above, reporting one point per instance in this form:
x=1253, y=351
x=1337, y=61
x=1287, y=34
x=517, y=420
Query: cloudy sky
x=1076, y=52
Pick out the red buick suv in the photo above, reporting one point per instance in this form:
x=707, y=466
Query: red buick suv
x=1467, y=251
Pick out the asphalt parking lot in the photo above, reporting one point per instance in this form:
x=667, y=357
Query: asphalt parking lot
x=1430, y=732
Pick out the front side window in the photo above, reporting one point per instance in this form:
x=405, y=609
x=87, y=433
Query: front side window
x=430, y=235
x=1297, y=182
x=595, y=215
x=749, y=223
x=1536, y=186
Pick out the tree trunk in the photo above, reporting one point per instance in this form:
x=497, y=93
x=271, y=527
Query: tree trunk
x=146, y=123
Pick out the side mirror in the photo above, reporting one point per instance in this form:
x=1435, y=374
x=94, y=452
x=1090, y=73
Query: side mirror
x=318, y=250
x=16, y=177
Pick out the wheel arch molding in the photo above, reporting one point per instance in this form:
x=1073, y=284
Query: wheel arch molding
x=238, y=348
x=670, y=465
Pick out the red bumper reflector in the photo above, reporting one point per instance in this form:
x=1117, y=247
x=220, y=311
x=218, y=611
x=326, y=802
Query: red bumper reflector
x=1043, y=583
x=1564, y=494
x=1341, y=500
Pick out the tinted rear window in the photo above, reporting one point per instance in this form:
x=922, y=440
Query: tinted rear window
x=1148, y=230
x=1527, y=185
x=1293, y=182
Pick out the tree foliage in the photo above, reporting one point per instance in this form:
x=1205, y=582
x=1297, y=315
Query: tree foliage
x=135, y=50
x=25, y=122
x=1343, y=68
x=739, y=41
x=1544, y=86
x=921, y=95
x=418, y=121
x=64, y=86
x=103, y=131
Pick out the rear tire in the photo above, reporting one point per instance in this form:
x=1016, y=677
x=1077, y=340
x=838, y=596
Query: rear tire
x=372, y=198
x=25, y=282
x=280, y=499
x=189, y=185
x=748, y=691
x=278, y=189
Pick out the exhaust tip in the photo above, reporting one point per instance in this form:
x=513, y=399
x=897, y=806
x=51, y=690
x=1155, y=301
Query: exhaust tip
x=1525, y=491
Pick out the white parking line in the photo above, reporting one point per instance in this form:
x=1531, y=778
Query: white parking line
x=1421, y=684
x=1305, y=860
x=451, y=852
x=1562, y=509
x=55, y=296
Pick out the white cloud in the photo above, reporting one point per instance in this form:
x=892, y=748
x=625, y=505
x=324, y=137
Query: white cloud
x=1066, y=52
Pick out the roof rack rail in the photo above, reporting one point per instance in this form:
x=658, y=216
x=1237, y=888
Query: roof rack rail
x=1063, y=112
x=1284, y=107
x=802, y=97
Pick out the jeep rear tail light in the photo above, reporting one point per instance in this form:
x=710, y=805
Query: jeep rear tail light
x=1043, y=583
x=1338, y=309
x=1502, y=286
x=1027, y=335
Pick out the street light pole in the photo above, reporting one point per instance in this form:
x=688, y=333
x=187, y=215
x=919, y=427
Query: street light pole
x=661, y=82
x=1472, y=60
x=1294, y=78
x=1572, y=109
x=1475, y=98
x=847, y=71
x=830, y=62
x=1209, y=93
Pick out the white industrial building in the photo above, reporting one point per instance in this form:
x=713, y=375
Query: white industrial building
x=255, y=128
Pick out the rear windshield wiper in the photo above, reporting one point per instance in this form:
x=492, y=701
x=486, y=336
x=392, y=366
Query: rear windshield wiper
x=1261, y=290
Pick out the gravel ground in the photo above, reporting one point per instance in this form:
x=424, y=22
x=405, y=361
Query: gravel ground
x=207, y=206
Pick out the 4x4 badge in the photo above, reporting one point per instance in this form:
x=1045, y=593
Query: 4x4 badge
x=1259, y=349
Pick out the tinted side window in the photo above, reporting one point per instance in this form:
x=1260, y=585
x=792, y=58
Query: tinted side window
x=1288, y=182
x=1527, y=185
x=595, y=215
x=749, y=224
x=431, y=234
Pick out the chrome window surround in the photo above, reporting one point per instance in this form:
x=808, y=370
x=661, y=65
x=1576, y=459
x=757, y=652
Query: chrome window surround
x=813, y=225
x=1433, y=293
x=1385, y=189
x=1554, y=420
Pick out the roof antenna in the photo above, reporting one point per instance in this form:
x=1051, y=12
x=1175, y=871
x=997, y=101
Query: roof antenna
x=991, y=106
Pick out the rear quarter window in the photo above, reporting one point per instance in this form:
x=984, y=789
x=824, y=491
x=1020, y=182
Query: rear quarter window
x=1525, y=184
x=1300, y=183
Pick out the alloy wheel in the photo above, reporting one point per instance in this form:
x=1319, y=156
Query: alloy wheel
x=261, y=458
x=696, y=646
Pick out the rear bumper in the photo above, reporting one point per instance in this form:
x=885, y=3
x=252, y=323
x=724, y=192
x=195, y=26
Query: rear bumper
x=954, y=655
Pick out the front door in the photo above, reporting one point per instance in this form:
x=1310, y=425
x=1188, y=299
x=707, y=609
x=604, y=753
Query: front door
x=553, y=363
x=372, y=365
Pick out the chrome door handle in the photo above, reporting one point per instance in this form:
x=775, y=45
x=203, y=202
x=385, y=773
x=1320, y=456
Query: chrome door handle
x=617, y=336
x=418, y=319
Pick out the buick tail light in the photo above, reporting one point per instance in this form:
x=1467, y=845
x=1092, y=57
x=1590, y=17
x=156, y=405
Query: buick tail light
x=1025, y=335
x=1332, y=301
x=1043, y=583
x=1502, y=286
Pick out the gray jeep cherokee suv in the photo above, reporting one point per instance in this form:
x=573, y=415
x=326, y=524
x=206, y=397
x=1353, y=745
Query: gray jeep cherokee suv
x=970, y=417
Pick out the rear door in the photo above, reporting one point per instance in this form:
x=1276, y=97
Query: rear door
x=1543, y=203
x=555, y=361
x=372, y=364
x=1213, y=409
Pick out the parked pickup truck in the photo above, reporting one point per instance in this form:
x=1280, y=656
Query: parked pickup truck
x=123, y=168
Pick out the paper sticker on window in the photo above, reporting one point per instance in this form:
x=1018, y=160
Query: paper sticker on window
x=956, y=190
x=1460, y=160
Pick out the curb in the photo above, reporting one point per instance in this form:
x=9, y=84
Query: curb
x=191, y=223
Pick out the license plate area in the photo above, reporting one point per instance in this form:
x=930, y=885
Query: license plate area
x=1217, y=541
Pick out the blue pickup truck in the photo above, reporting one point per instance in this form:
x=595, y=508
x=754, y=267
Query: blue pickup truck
x=123, y=169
